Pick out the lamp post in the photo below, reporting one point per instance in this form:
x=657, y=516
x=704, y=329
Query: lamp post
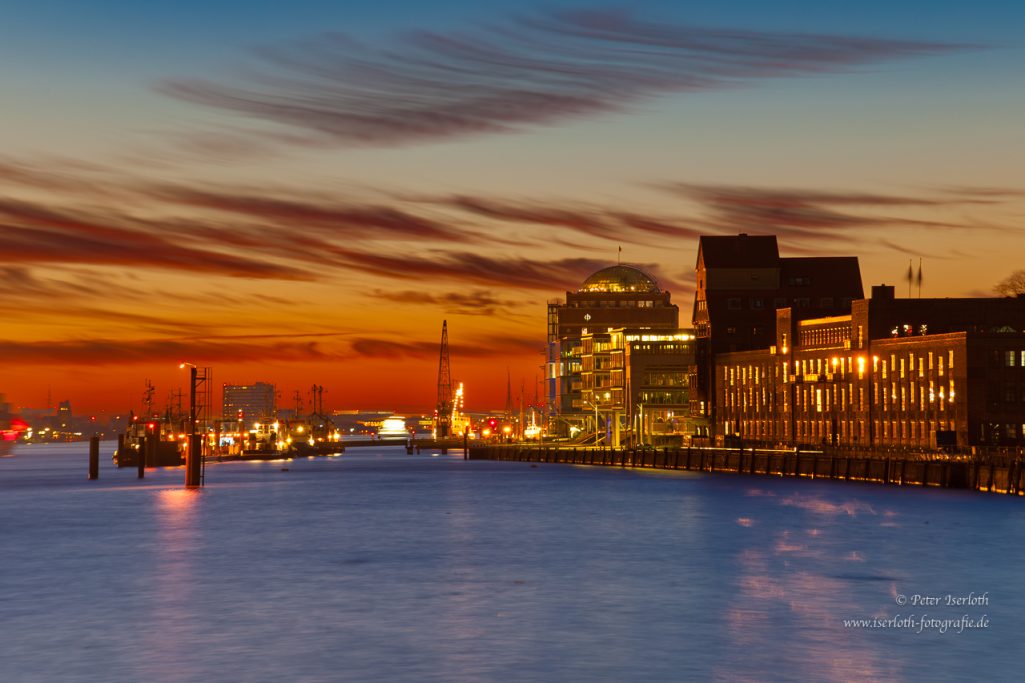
x=594, y=404
x=194, y=452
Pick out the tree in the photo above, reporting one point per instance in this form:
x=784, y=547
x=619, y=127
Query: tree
x=1012, y=285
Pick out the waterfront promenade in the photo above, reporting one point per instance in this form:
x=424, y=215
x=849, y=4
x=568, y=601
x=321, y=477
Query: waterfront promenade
x=990, y=474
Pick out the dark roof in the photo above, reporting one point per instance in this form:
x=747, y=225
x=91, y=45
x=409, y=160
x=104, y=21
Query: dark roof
x=837, y=276
x=739, y=251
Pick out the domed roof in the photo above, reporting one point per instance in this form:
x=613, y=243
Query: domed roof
x=620, y=278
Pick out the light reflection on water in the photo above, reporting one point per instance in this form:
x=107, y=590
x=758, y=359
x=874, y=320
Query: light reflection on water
x=382, y=566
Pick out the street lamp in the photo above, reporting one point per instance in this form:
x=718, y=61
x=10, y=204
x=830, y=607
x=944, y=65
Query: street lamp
x=594, y=405
x=194, y=453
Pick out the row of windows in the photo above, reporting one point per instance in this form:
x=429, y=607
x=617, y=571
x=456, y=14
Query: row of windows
x=1013, y=359
x=615, y=303
x=917, y=432
x=758, y=303
x=839, y=397
x=825, y=335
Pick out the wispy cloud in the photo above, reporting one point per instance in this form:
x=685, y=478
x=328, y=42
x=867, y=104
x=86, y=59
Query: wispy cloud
x=538, y=70
x=473, y=302
x=102, y=351
x=815, y=215
x=475, y=269
x=487, y=347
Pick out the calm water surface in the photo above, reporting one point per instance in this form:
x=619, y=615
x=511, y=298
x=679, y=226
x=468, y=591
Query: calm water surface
x=378, y=566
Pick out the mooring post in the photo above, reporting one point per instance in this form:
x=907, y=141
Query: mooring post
x=94, y=457
x=194, y=461
x=466, y=445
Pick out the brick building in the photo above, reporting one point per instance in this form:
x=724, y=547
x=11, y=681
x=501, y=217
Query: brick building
x=740, y=283
x=895, y=372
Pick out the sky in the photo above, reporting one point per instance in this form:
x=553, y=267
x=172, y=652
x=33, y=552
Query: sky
x=302, y=192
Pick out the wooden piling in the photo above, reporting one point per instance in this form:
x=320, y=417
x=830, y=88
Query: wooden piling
x=94, y=457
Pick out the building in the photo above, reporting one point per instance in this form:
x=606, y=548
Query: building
x=619, y=296
x=248, y=401
x=637, y=383
x=893, y=372
x=740, y=283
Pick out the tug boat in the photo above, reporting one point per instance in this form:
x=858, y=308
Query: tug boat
x=167, y=447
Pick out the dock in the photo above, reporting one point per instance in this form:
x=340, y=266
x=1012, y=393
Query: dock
x=986, y=474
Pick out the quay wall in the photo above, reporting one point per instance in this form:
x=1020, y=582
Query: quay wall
x=990, y=476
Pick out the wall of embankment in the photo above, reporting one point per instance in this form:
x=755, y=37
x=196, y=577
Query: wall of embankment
x=990, y=475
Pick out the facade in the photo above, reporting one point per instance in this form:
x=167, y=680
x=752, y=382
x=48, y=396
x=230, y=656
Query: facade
x=740, y=283
x=248, y=401
x=895, y=372
x=619, y=296
x=637, y=382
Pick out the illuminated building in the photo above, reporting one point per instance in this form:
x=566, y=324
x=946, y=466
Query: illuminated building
x=637, y=380
x=251, y=401
x=740, y=282
x=894, y=372
x=619, y=296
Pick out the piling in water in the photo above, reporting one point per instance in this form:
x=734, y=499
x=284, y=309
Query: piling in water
x=94, y=457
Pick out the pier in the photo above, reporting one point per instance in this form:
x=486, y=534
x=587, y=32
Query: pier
x=989, y=474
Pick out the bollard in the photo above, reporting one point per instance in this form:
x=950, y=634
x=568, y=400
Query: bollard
x=94, y=457
x=466, y=445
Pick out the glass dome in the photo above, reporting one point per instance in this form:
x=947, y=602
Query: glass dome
x=620, y=278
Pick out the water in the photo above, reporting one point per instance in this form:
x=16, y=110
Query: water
x=379, y=566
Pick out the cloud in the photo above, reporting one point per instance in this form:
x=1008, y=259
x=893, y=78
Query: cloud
x=33, y=233
x=333, y=218
x=613, y=225
x=538, y=70
x=810, y=214
x=102, y=351
x=475, y=302
x=484, y=347
x=473, y=268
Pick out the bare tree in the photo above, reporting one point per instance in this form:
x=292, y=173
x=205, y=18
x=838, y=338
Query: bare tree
x=1012, y=285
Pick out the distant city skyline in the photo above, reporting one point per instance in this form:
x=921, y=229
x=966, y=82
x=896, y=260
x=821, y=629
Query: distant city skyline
x=301, y=194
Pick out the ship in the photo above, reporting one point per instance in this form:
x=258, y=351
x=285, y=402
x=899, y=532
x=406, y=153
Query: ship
x=157, y=441
x=11, y=427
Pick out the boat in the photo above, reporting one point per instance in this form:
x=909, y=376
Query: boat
x=312, y=435
x=11, y=427
x=155, y=440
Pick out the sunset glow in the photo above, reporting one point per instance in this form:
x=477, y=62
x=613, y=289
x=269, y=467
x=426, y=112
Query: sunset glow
x=301, y=193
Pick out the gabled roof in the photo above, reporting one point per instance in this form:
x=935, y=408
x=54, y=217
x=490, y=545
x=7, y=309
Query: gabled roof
x=738, y=251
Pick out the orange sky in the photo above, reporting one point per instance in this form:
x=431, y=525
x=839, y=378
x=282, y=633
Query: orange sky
x=238, y=210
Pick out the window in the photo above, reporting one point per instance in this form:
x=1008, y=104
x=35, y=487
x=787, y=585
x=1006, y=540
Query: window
x=802, y=302
x=733, y=304
x=1010, y=358
x=826, y=302
x=781, y=302
x=757, y=303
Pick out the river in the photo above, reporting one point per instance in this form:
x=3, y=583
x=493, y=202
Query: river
x=378, y=566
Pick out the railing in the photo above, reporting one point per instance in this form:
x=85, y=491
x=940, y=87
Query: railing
x=938, y=471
